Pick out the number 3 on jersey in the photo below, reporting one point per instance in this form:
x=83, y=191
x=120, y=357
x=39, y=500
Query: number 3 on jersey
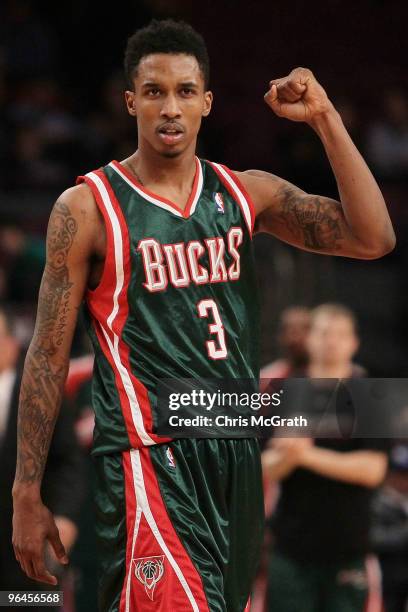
x=214, y=352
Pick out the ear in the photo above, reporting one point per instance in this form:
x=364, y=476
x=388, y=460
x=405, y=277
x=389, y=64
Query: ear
x=208, y=99
x=130, y=102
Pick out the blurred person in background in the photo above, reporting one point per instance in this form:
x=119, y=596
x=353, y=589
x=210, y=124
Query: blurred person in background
x=293, y=329
x=319, y=559
x=63, y=484
x=110, y=131
x=23, y=258
x=390, y=530
x=387, y=138
x=50, y=142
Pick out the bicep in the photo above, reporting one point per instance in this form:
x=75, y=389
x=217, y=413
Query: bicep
x=310, y=222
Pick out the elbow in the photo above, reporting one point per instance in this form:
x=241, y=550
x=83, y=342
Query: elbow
x=388, y=243
x=382, y=247
x=373, y=481
x=375, y=474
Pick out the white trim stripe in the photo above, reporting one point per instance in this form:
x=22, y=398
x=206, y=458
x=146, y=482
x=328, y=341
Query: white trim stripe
x=238, y=194
x=158, y=202
x=118, y=244
x=144, y=194
x=137, y=417
x=143, y=502
x=130, y=569
x=199, y=187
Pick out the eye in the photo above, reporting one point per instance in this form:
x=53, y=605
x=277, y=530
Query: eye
x=153, y=92
x=187, y=91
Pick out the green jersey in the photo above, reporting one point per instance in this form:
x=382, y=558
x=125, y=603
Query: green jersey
x=177, y=297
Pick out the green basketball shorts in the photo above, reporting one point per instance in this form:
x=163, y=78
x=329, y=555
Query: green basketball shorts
x=179, y=526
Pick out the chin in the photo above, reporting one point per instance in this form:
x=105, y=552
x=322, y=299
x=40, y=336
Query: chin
x=170, y=153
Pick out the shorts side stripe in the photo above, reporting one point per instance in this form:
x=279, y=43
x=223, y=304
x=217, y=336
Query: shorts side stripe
x=144, y=479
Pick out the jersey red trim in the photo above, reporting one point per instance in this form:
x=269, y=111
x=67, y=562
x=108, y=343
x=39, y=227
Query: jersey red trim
x=186, y=212
x=248, y=198
x=121, y=318
x=108, y=273
x=231, y=191
x=101, y=302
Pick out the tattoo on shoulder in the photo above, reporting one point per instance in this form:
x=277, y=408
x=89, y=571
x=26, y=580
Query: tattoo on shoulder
x=43, y=379
x=317, y=221
x=55, y=289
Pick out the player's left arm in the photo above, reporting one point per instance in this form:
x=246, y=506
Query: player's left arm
x=359, y=225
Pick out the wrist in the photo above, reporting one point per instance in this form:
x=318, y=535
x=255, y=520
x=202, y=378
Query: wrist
x=306, y=457
x=325, y=120
x=26, y=492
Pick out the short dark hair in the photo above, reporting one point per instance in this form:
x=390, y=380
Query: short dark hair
x=334, y=309
x=166, y=36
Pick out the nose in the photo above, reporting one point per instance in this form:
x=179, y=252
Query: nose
x=170, y=108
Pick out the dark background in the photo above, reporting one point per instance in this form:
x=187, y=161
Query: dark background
x=62, y=114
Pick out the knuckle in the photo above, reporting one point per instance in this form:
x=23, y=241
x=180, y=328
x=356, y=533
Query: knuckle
x=302, y=70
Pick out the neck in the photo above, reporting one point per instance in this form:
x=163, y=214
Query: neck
x=297, y=361
x=325, y=370
x=151, y=167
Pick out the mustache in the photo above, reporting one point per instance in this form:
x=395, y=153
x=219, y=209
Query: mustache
x=172, y=125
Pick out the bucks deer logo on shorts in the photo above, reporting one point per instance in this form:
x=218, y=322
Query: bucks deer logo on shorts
x=149, y=570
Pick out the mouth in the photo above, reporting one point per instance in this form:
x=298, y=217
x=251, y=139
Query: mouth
x=171, y=133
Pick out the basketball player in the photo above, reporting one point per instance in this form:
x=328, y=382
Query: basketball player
x=159, y=246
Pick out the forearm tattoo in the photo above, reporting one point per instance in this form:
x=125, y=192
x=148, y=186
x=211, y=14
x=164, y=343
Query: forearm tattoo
x=316, y=222
x=44, y=372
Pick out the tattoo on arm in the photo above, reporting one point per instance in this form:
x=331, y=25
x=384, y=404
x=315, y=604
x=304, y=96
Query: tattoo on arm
x=314, y=221
x=45, y=371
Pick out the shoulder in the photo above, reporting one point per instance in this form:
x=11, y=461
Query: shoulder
x=75, y=218
x=263, y=187
x=78, y=199
x=77, y=203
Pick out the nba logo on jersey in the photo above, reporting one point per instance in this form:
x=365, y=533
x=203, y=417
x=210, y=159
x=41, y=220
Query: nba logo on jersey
x=149, y=570
x=170, y=458
x=219, y=200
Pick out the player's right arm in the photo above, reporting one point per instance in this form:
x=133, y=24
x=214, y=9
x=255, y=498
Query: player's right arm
x=71, y=238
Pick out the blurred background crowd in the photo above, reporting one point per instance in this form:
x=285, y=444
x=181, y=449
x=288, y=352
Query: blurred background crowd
x=62, y=114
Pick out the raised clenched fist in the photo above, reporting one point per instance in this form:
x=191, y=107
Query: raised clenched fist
x=298, y=96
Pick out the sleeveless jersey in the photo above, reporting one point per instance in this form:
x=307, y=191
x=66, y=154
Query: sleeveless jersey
x=177, y=297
